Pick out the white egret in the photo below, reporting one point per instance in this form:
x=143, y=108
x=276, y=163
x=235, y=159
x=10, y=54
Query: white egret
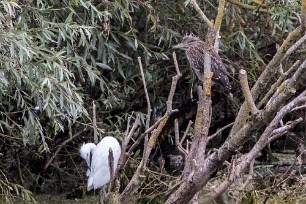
x=96, y=157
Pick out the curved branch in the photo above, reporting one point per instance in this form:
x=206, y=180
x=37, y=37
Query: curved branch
x=202, y=15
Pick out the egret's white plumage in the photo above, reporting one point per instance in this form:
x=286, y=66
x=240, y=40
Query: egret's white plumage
x=98, y=173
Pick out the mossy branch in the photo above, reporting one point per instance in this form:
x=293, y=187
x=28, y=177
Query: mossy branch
x=202, y=15
x=246, y=91
x=246, y=6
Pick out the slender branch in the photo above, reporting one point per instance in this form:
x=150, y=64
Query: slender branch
x=299, y=107
x=127, y=138
x=133, y=185
x=259, y=3
x=202, y=15
x=186, y=132
x=177, y=139
x=178, y=72
x=246, y=92
x=140, y=138
x=61, y=146
x=295, y=46
x=219, y=131
x=94, y=123
x=282, y=130
x=149, y=110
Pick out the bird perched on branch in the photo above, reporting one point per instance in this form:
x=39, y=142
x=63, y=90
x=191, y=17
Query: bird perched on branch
x=195, y=48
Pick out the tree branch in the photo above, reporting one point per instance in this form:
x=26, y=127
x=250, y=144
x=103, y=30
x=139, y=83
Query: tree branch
x=202, y=15
x=177, y=139
x=246, y=92
x=246, y=6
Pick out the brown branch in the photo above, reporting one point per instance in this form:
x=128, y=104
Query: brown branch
x=262, y=82
x=246, y=92
x=94, y=123
x=186, y=132
x=219, y=131
x=177, y=139
x=111, y=167
x=246, y=6
x=127, y=138
x=149, y=110
x=61, y=146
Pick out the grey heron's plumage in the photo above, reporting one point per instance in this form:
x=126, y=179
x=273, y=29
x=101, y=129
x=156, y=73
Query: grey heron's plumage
x=195, y=48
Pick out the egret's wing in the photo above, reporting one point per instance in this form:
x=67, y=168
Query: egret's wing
x=99, y=166
x=99, y=173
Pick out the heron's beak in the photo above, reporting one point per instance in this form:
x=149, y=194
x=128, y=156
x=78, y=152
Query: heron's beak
x=181, y=46
x=178, y=46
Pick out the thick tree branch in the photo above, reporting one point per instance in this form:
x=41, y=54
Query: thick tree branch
x=260, y=144
x=268, y=73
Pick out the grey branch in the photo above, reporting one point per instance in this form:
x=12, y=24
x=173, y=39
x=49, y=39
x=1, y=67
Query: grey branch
x=94, y=123
x=246, y=92
x=177, y=139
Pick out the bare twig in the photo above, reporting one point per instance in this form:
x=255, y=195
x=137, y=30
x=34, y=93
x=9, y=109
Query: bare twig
x=61, y=146
x=186, y=132
x=246, y=91
x=299, y=107
x=178, y=72
x=140, y=138
x=177, y=139
x=219, y=131
x=94, y=123
x=294, y=47
x=284, y=129
x=133, y=184
x=127, y=138
x=149, y=110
